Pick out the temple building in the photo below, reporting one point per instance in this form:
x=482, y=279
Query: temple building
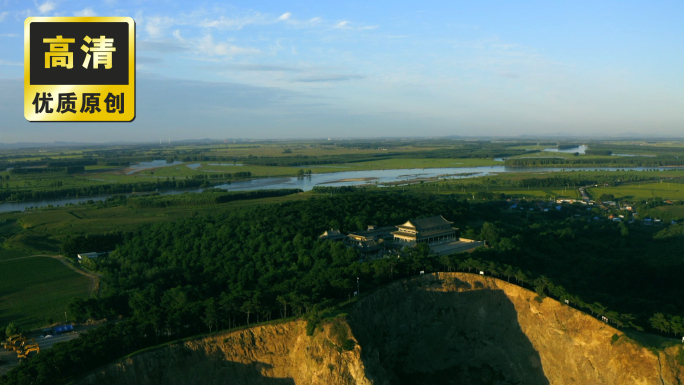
x=333, y=235
x=374, y=233
x=425, y=230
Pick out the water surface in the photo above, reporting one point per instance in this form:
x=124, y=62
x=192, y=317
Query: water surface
x=344, y=178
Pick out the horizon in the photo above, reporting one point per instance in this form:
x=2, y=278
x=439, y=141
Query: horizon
x=368, y=71
x=579, y=140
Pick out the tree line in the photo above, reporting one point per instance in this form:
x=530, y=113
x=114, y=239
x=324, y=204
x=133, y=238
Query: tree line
x=205, y=198
x=47, y=170
x=102, y=189
x=634, y=161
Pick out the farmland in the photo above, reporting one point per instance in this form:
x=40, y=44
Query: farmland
x=633, y=191
x=34, y=290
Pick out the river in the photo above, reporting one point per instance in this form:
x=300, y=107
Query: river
x=343, y=178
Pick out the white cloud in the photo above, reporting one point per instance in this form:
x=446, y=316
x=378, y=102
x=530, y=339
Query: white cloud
x=86, y=12
x=10, y=63
x=3, y=15
x=346, y=24
x=8, y=35
x=233, y=23
x=156, y=26
x=301, y=23
x=285, y=16
x=207, y=46
x=46, y=7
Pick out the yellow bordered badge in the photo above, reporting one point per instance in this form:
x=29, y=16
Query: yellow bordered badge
x=79, y=69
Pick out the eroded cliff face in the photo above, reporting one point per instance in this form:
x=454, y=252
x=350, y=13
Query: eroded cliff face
x=264, y=355
x=448, y=328
x=456, y=328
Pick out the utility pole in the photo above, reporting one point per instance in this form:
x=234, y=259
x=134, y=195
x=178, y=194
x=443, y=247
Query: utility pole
x=358, y=288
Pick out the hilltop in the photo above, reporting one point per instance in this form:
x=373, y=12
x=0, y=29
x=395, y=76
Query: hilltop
x=438, y=328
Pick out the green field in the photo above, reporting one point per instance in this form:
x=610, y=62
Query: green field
x=668, y=212
x=37, y=288
x=9, y=253
x=665, y=190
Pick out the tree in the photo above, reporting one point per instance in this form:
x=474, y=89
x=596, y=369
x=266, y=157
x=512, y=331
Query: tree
x=597, y=308
x=282, y=300
x=490, y=233
x=659, y=322
x=469, y=233
x=623, y=229
x=420, y=258
x=506, y=244
x=446, y=261
x=509, y=272
x=676, y=325
x=77, y=309
x=247, y=308
x=211, y=315
x=493, y=268
x=521, y=276
x=607, y=197
x=12, y=329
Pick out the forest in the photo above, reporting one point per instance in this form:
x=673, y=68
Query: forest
x=482, y=150
x=257, y=263
x=104, y=189
x=633, y=161
x=209, y=197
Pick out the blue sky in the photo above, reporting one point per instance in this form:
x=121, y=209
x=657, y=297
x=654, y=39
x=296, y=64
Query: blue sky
x=370, y=69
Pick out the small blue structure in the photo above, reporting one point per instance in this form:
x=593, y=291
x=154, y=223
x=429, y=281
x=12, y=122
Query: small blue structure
x=64, y=329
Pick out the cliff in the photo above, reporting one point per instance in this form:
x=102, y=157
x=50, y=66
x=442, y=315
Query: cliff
x=448, y=328
x=280, y=354
x=469, y=329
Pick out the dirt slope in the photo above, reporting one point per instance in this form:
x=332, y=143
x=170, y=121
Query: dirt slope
x=449, y=328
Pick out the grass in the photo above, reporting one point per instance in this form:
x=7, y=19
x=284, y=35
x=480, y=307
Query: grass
x=671, y=212
x=9, y=253
x=37, y=288
x=650, y=341
x=540, y=193
x=642, y=191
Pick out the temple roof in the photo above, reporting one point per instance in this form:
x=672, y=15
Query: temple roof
x=426, y=234
x=423, y=224
x=332, y=234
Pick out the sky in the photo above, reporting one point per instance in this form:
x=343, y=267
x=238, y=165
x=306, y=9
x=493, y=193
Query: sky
x=318, y=69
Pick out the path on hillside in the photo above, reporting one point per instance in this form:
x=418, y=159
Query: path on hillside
x=95, y=277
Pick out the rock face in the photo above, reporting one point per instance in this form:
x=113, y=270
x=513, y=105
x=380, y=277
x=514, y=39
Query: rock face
x=447, y=328
x=264, y=355
x=456, y=328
